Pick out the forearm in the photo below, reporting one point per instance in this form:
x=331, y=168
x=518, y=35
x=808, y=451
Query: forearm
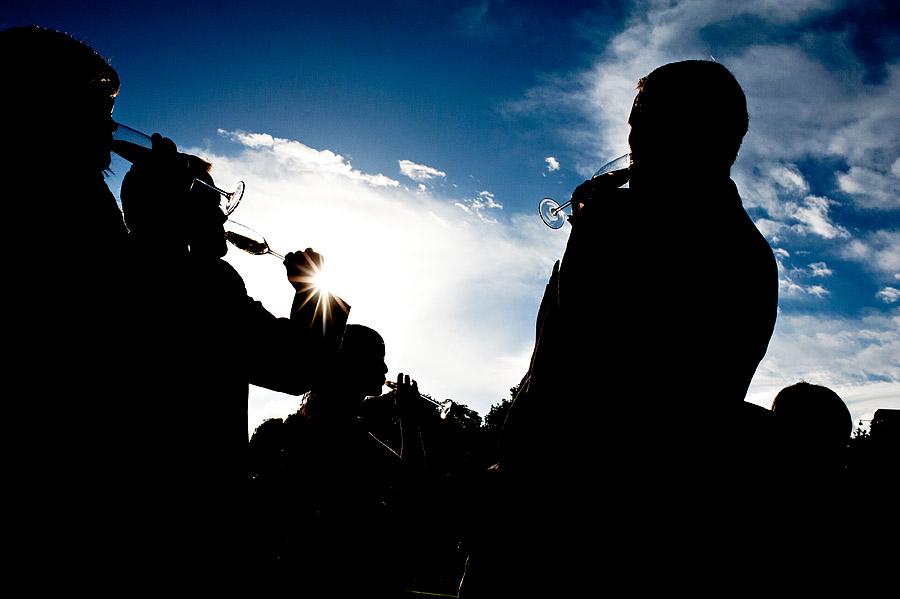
x=412, y=446
x=323, y=317
x=281, y=354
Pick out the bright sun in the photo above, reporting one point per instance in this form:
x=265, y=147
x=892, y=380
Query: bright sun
x=321, y=281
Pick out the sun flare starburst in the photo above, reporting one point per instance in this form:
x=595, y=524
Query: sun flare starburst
x=311, y=280
x=321, y=282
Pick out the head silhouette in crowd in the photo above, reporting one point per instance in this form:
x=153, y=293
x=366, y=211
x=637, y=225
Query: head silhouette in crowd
x=688, y=117
x=357, y=373
x=816, y=423
x=57, y=100
x=192, y=219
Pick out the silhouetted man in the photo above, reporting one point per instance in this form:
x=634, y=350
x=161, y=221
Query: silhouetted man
x=630, y=439
x=62, y=267
x=206, y=340
x=93, y=453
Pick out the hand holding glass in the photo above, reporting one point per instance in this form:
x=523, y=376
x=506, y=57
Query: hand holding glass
x=131, y=144
x=444, y=406
x=553, y=214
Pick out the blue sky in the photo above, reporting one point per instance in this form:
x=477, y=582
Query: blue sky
x=410, y=143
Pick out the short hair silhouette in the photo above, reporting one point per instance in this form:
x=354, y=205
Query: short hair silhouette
x=814, y=413
x=57, y=85
x=357, y=370
x=52, y=73
x=359, y=343
x=687, y=107
x=45, y=61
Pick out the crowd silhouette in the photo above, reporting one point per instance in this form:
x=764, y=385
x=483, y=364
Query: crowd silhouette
x=128, y=316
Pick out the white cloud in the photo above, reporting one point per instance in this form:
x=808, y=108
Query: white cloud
x=833, y=350
x=869, y=132
x=817, y=290
x=771, y=230
x=789, y=178
x=813, y=218
x=419, y=172
x=786, y=12
x=788, y=288
x=877, y=251
x=871, y=189
x=552, y=163
x=479, y=205
x=783, y=192
x=820, y=269
x=857, y=357
x=296, y=157
x=793, y=283
x=454, y=294
x=889, y=295
x=488, y=199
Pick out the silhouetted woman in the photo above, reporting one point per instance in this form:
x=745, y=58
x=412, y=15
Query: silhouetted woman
x=345, y=488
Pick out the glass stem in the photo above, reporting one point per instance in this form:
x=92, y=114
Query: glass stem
x=213, y=187
x=556, y=211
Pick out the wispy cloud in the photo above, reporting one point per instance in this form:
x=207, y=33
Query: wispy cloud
x=419, y=172
x=878, y=252
x=798, y=283
x=871, y=189
x=812, y=216
x=552, y=163
x=480, y=205
x=889, y=295
x=294, y=156
x=858, y=357
x=820, y=269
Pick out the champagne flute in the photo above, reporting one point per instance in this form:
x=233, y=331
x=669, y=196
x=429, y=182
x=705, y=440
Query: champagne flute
x=553, y=214
x=245, y=238
x=444, y=406
x=132, y=145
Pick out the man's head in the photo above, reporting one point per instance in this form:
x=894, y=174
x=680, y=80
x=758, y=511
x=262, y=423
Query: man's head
x=205, y=220
x=184, y=215
x=690, y=113
x=57, y=99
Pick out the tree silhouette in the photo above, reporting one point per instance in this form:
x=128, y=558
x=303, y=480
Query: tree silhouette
x=497, y=414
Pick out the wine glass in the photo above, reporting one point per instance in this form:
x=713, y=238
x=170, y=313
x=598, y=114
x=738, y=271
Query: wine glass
x=444, y=405
x=132, y=145
x=245, y=238
x=553, y=214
